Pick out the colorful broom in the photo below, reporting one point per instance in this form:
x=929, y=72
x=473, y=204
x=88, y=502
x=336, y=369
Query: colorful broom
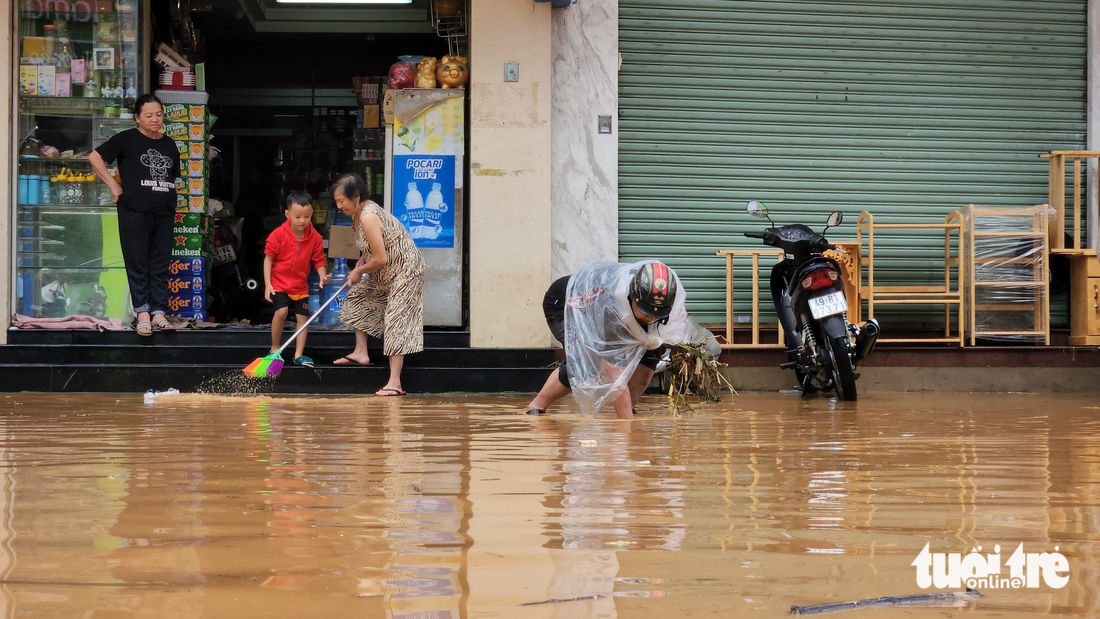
x=271, y=365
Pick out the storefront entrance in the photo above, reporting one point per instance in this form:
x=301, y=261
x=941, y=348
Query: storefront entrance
x=289, y=100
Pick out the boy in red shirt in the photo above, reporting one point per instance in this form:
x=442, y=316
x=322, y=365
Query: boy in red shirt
x=291, y=249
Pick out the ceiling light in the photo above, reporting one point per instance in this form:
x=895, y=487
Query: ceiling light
x=344, y=1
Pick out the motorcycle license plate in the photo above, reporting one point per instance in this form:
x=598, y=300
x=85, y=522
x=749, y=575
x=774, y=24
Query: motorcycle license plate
x=827, y=305
x=223, y=254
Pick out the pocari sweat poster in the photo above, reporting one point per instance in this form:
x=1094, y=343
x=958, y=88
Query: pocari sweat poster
x=423, y=198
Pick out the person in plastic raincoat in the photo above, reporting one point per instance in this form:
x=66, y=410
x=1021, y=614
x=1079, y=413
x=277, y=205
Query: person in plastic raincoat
x=615, y=320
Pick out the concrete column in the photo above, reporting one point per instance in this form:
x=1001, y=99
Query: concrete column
x=585, y=162
x=509, y=133
x=1092, y=131
x=7, y=201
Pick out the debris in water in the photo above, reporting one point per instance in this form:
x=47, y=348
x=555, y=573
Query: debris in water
x=235, y=383
x=647, y=581
x=152, y=396
x=691, y=370
x=556, y=600
x=951, y=598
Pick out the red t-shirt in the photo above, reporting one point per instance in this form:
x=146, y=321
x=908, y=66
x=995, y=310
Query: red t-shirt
x=292, y=258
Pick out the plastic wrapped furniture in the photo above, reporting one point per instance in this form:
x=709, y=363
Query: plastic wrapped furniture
x=1009, y=286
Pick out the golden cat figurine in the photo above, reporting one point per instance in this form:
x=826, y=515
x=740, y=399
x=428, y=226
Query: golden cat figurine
x=425, y=73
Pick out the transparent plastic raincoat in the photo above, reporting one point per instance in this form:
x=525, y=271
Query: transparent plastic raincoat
x=604, y=342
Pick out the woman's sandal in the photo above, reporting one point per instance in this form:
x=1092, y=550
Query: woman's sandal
x=160, y=322
x=144, y=328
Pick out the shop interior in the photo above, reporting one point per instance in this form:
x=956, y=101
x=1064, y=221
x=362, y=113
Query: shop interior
x=286, y=121
x=285, y=104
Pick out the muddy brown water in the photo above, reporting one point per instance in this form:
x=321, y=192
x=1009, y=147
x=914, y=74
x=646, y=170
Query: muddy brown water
x=455, y=507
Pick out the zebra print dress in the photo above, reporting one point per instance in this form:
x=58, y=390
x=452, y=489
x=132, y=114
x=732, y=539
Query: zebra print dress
x=389, y=303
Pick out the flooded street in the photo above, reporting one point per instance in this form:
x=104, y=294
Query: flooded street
x=455, y=507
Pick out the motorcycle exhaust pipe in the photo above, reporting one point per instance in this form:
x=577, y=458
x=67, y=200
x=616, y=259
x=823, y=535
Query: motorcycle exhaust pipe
x=865, y=341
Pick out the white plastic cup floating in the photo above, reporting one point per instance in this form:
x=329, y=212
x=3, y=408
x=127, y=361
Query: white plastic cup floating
x=151, y=396
x=414, y=206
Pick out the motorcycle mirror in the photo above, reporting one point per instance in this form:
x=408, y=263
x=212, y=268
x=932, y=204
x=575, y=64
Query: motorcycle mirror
x=757, y=209
x=835, y=219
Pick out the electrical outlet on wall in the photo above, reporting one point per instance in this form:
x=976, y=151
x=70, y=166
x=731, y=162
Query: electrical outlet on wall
x=511, y=71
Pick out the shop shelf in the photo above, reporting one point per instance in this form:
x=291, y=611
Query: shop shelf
x=44, y=225
x=76, y=244
x=67, y=106
x=53, y=15
x=86, y=42
x=76, y=209
x=76, y=269
x=65, y=160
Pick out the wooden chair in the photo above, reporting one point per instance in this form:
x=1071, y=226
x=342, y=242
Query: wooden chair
x=1057, y=200
x=1084, y=295
x=754, y=254
x=951, y=293
x=848, y=259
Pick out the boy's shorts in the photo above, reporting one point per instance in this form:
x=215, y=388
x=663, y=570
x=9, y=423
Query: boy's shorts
x=299, y=307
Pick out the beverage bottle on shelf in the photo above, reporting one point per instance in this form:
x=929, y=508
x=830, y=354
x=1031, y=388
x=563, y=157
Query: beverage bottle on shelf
x=314, y=292
x=339, y=276
x=57, y=187
x=50, y=43
x=27, y=280
x=106, y=198
x=63, y=56
x=89, y=188
x=414, y=209
x=34, y=183
x=45, y=195
x=433, y=212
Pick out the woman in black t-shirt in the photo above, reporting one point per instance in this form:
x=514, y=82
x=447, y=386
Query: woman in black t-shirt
x=148, y=165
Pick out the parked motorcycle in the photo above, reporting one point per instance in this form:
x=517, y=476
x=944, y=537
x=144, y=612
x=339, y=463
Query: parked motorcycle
x=824, y=349
x=234, y=295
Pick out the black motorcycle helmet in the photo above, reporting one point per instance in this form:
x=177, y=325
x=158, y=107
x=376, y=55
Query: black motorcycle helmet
x=654, y=290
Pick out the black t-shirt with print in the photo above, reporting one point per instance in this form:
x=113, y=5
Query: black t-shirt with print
x=148, y=169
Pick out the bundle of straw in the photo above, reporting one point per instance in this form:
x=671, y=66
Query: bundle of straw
x=692, y=371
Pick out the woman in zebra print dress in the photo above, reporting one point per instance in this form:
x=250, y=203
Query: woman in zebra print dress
x=389, y=303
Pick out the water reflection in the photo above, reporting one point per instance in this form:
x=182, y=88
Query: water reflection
x=456, y=508
x=426, y=533
x=603, y=500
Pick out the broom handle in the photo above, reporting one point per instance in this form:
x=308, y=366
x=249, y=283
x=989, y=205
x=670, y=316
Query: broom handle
x=311, y=318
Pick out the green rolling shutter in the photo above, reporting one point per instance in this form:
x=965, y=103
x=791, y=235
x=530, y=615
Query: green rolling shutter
x=907, y=109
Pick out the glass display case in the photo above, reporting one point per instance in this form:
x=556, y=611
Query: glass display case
x=80, y=70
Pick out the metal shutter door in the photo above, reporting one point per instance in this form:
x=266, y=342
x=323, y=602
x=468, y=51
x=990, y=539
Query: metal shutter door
x=907, y=109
